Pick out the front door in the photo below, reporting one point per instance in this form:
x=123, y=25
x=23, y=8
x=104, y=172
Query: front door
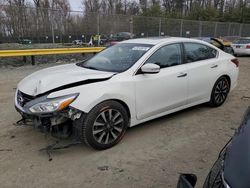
x=163, y=91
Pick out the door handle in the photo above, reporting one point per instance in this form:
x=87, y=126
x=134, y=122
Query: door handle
x=182, y=75
x=214, y=66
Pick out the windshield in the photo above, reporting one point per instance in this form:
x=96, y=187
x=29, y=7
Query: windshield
x=117, y=58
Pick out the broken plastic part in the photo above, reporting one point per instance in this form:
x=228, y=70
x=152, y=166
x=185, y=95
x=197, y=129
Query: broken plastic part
x=74, y=114
x=54, y=147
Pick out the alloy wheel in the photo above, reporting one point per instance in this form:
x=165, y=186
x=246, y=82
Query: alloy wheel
x=221, y=91
x=108, y=126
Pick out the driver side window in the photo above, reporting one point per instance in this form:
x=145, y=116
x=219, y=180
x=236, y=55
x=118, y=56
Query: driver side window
x=167, y=56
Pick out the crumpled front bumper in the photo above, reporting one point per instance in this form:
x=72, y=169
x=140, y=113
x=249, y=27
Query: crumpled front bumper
x=19, y=108
x=44, y=119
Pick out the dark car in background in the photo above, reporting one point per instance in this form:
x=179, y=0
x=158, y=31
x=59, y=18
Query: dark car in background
x=122, y=36
x=232, y=168
x=117, y=37
x=24, y=41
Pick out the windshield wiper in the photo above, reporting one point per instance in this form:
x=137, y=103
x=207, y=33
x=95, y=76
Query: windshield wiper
x=93, y=68
x=81, y=64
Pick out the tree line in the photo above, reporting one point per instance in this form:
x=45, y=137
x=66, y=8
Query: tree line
x=208, y=10
x=35, y=18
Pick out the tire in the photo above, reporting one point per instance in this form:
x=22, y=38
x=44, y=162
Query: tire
x=214, y=178
x=220, y=91
x=104, y=126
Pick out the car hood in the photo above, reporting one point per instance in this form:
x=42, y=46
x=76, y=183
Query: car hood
x=60, y=77
x=237, y=159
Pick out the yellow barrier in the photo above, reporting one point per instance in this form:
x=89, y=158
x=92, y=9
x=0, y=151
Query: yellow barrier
x=54, y=51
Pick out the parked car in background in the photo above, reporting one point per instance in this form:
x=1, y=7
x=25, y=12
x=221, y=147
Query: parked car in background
x=121, y=36
x=223, y=44
x=230, y=38
x=232, y=168
x=126, y=84
x=77, y=42
x=24, y=41
x=224, y=41
x=241, y=46
x=103, y=40
x=118, y=37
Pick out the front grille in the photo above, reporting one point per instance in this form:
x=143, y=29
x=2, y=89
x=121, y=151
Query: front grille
x=23, y=98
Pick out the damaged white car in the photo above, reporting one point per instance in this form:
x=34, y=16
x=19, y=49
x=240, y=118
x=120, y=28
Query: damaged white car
x=129, y=83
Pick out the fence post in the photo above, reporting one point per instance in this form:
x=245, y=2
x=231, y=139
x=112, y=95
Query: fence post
x=200, y=28
x=181, y=27
x=52, y=27
x=215, y=29
x=228, y=30
x=240, y=30
x=160, y=27
x=131, y=22
x=98, y=23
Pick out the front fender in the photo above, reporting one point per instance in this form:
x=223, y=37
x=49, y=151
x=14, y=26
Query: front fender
x=92, y=94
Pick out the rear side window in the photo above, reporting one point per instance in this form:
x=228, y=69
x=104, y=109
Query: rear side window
x=198, y=52
x=242, y=41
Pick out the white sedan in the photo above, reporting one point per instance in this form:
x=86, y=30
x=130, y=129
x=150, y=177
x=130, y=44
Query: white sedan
x=241, y=46
x=129, y=83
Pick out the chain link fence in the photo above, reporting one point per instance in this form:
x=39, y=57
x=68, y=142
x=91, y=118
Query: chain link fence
x=57, y=26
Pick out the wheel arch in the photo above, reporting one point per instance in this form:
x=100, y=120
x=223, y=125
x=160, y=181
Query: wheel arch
x=228, y=79
x=124, y=105
x=122, y=102
x=219, y=77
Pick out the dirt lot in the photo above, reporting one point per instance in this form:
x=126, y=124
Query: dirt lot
x=150, y=155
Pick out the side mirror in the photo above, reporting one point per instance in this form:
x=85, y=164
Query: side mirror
x=187, y=181
x=150, y=68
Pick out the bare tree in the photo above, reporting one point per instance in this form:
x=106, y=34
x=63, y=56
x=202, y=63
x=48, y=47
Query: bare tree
x=91, y=5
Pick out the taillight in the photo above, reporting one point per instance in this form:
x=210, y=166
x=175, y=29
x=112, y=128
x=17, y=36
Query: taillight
x=248, y=46
x=235, y=61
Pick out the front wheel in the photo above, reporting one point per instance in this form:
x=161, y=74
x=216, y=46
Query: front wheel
x=220, y=91
x=105, y=125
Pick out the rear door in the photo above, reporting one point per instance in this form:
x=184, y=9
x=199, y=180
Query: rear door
x=202, y=64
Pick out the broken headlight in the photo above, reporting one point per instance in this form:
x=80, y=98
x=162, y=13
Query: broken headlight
x=52, y=105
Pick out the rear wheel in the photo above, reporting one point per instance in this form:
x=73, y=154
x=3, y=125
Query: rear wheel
x=220, y=91
x=105, y=125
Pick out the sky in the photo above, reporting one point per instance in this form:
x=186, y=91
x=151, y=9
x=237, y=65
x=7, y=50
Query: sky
x=76, y=4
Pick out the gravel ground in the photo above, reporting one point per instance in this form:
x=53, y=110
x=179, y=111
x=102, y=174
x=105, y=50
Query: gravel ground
x=150, y=155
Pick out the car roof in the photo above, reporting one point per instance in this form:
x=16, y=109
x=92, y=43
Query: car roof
x=206, y=39
x=158, y=40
